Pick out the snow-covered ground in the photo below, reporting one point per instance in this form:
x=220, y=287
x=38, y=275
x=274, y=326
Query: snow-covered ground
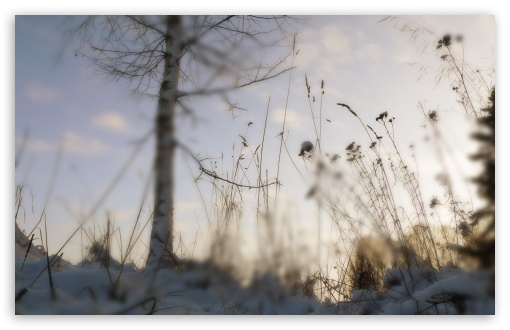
x=91, y=288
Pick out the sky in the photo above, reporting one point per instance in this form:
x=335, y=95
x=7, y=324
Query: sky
x=62, y=104
x=51, y=78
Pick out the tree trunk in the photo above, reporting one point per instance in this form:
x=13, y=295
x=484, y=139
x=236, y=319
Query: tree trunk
x=161, y=241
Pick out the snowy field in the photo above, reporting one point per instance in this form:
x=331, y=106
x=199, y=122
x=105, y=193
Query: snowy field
x=200, y=288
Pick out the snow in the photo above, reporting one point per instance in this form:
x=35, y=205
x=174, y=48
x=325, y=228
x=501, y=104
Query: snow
x=90, y=288
x=202, y=288
x=424, y=291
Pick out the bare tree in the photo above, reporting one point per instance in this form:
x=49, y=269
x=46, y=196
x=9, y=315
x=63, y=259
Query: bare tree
x=175, y=58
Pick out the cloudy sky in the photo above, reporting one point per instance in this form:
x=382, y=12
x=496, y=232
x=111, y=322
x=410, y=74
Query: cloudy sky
x=61, y=104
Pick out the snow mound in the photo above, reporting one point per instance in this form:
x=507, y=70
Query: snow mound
x=202, y=288
x=422, y=290
x=91, y=288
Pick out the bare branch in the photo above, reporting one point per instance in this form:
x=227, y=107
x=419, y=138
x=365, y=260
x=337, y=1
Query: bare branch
x=216, y=176
x=266, y=76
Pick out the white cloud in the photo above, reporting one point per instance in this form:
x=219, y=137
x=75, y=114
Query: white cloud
x=408, y=55
x=293, y=120
x=329, y=39
x=39, y=145
x=112, y=121
x=323, y=50
x=369, y=52
x=331, y=51
x=72, y=143
x=80, y=145
x=39, y=93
